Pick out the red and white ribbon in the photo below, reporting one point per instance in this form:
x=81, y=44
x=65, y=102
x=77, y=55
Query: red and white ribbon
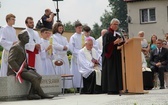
x=18, y=76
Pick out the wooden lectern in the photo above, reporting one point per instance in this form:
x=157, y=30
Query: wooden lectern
x=132, y=66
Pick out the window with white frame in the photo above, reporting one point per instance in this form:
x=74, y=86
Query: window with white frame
x=147, y=15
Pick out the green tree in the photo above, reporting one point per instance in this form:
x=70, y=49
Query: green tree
x=119, y=8
x=69, y=27
x=105, y=19
x=96, y=31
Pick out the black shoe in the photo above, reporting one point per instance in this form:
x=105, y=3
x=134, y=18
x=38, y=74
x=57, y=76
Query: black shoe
x=47, y=96
x=113, y=92
x=33, y=97
x=162, y=87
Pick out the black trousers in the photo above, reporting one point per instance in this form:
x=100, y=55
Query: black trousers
x=89, y=85
x=160, y=71
x=147, y=80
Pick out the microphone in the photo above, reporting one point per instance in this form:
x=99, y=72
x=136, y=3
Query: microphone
x=121, y=32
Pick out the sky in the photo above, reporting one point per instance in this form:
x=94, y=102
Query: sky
x=86, y=11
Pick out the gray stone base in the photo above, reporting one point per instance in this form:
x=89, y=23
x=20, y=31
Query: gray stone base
x=11, y=89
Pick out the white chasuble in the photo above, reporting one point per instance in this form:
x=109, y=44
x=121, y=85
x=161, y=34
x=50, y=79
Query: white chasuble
x=86, y=66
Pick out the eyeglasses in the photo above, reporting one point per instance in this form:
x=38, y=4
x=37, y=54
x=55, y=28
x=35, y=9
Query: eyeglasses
x=116, y=24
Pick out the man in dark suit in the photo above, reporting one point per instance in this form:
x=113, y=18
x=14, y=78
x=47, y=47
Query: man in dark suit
x=17, y=62
x=159, y=60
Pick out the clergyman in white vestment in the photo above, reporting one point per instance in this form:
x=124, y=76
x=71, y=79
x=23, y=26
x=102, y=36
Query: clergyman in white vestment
x=33, y=47
x=90, y=68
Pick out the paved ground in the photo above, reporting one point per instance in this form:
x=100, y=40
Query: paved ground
x=154, y=97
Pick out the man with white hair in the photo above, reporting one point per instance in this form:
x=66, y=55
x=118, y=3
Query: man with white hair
x=111, y=59
x=89, y=67
x=144, y=43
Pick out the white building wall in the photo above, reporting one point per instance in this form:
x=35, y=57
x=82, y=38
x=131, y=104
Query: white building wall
x=159, y=28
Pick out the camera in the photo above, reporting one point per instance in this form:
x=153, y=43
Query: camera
x=53, y=13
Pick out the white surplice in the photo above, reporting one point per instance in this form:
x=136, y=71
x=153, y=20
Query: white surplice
x=86, y=66
x=100, y=44
x=144, y=63
x=7, y=37
x=59, y=42
x=34, y=38
x=47, y=64
x=75, y=45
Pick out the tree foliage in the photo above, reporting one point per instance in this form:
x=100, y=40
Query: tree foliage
x=69, y=27
x=119, y=10
x=105, y=19
x=96, y=31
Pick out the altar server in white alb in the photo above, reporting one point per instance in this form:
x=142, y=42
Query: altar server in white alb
x=46, y=52
x=60, y=48
x=7, y=39
x=76, y=43
x=90, y=68
x=33, y=47
x=86, y=33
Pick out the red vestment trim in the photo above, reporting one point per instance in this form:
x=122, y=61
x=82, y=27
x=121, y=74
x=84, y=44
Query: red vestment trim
x=18, y=76
x=109, y=50
x=31, y=57
x=110, y=46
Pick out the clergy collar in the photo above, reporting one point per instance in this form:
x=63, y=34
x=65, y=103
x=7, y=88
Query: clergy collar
x=116, y=33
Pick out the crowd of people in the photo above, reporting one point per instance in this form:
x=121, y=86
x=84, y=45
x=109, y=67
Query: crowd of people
x=156, y=54
x=97, y=62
